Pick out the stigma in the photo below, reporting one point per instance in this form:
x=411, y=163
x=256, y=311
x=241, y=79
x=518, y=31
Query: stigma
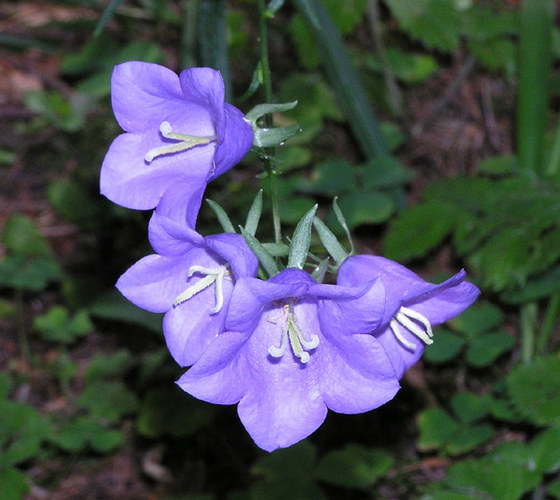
x=211, y=276
x=292, y=334
x=415, y=323
x=185, y=142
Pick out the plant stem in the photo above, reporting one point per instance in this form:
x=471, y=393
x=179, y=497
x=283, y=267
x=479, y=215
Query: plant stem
x=550, y=320
x=528, y=323
x=535, y=58
x=269, y=152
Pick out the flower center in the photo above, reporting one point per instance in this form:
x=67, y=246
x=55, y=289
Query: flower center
x=292, y=333
x=185, y=142
x=415, y=323
x=216, y=276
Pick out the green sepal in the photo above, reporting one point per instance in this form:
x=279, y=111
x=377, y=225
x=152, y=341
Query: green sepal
x=223, y=218
x=330, y=242
x=277, y=249
x=301, y=240
x=320, y=270
x=273, y=7
x=342, y=221
x=265, y=257
x=254, y=215
x=270, y=137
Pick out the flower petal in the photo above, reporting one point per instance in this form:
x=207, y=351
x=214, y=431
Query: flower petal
x=127, y=180
x=402, y=358
x=233, y=249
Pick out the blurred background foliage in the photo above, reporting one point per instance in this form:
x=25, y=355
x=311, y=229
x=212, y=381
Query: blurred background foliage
x=434, y=121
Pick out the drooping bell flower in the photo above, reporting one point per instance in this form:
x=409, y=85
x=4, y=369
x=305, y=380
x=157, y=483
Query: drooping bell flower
x=190, y=278
x=293, y=349
x=412, y=305
x=178, y=130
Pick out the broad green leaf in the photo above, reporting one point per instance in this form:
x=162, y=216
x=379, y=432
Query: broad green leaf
x=545, y=451
x=354, y=466
x=447, y=345
x=331, y=178
x=384, y=171
x=486, y=348
x=436, y=23
x=112, y=305
x=287, y=473
x=535, y=391
x=71, y=200
x=436, y=428
x=470, y=407
x=171, y=412
x=365, y=208
x=57, y=326
x=13, y=483
x=108, y=365
x=108, y=400
x=553, y=489
x=420, y=229
x=18, y=272
x=477, y=319
x=493, y=480
x=21, y=236
x=468, y=439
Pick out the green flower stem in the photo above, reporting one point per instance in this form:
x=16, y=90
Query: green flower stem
x=528, y=322
x=269, y=152
x=549, y=322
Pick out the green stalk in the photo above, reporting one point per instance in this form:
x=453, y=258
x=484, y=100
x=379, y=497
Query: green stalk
x=554, y=160
x=535, y=58
x=188, y=34
x=269, y=152
x=549, y=322
x=528, y=324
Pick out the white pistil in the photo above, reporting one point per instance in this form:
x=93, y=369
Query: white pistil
x=292, y=332
x=415, y=323
x=185, y=142
x=211, y=276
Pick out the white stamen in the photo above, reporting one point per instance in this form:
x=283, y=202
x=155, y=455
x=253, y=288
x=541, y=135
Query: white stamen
x=292, y=332
x=409, y=319
x=185, y=142
x=215, y=276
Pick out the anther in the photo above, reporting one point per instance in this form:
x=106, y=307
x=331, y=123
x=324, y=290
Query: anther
x=215, y=276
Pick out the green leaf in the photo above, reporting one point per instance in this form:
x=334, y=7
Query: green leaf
x=545, y=451
x=498, y=165
x=494, y=480
x=301, y=240
x=109, y=400
x=85, y=431
x=485, y=349
x=535, y=391
x=73, y=202
x=553, y=489
x=447, y=346
x=477, y=319
x=18, y=272
x=13, y=483
x=57, y=326
x=354, y=466
x=171, y=412
x=112, y=305
x=468, y=439
x=331, y=178
x=436, y=428
x=384, y=172
x=108, y=365
x=21, y=433
x=366, y=208
x=436, y=23
x=420, y=229
x=470, y=407
x=287, y=473
x=22, y=237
